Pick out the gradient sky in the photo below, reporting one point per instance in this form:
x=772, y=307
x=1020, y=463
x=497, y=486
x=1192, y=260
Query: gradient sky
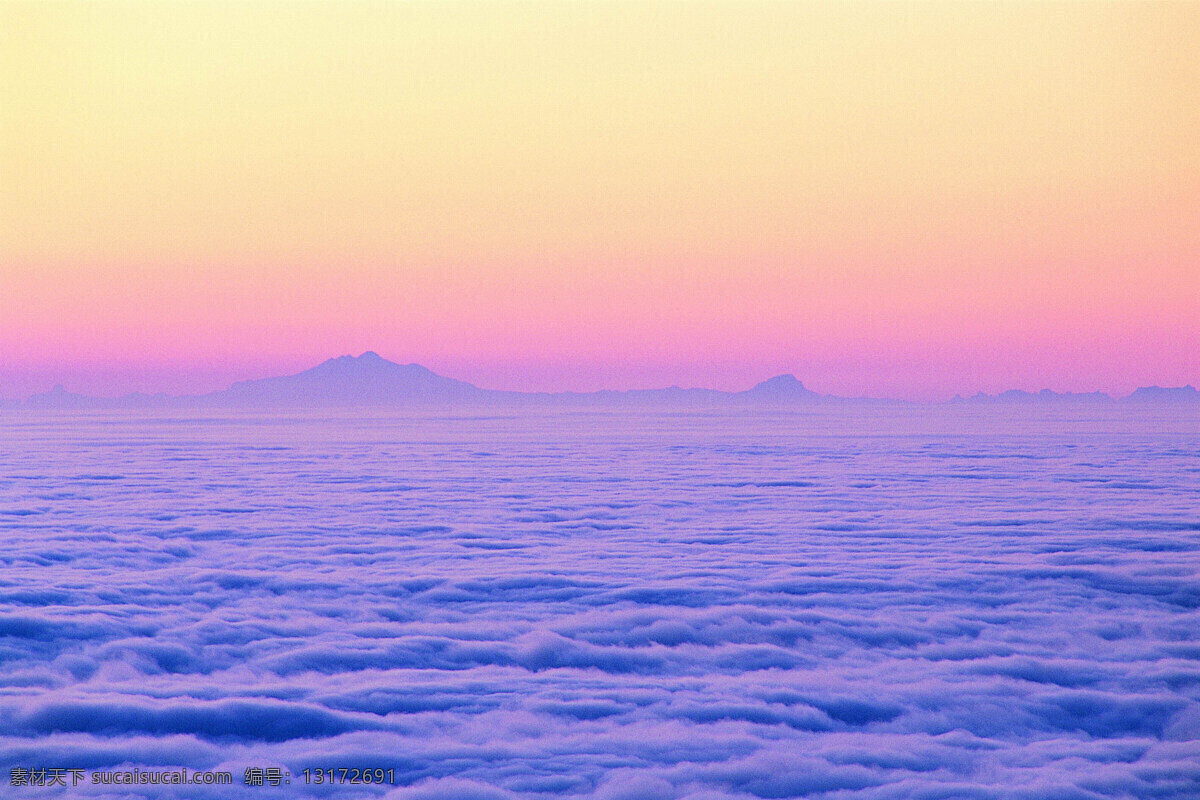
x=905, y=199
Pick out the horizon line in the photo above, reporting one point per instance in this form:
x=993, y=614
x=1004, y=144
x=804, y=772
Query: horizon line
x=1013, y=394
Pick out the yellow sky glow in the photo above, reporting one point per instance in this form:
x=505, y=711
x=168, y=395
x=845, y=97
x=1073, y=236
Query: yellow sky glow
x=478, y=185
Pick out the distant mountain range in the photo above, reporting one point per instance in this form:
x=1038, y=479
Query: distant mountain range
x=1145, y=394
x=371, y=380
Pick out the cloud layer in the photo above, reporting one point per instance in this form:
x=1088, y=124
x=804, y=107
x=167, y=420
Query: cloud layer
x=598, y=606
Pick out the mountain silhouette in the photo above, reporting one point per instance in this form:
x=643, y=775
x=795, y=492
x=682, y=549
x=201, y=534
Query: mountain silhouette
x=59, y=397
x=365, y=380
x=780, y=389
x=372, y=380
x=1020, y=396
x=1161, y=394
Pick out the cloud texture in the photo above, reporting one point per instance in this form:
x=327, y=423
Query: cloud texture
x=873, y=605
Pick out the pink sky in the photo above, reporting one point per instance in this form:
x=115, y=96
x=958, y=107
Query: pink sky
x=911, y=199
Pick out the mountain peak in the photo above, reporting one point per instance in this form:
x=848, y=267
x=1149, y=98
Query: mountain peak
x=59, y=397
x=1186, y=393
x=781, y=383
x=780, y=388
x=367, y=379
x=367, y=358
x=368, y=363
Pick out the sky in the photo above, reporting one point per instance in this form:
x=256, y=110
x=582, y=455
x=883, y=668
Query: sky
x=892, y=199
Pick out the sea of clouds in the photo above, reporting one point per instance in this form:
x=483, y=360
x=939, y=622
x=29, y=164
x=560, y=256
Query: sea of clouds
x=873, y=604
